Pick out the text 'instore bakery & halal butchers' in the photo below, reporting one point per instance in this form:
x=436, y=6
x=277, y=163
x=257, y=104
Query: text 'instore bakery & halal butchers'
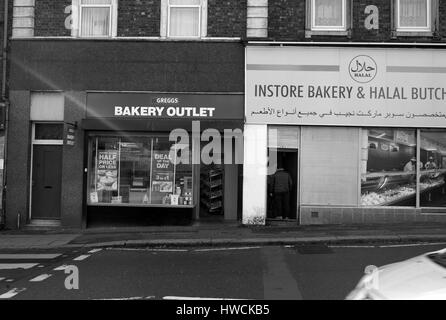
x=348, y=92
x=149, y=111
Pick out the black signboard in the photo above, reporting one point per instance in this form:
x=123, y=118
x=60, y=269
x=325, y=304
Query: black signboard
x=164, y=106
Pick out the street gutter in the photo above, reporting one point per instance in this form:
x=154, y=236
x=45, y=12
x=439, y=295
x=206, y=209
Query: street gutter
x=337, y=240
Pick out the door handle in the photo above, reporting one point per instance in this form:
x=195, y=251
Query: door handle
x=48, y=187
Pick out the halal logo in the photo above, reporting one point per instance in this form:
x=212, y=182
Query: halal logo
x=363, y=69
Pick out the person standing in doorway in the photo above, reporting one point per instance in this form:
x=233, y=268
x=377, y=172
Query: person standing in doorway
x=281, y=186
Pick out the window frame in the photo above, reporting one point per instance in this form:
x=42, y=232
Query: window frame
x=171, y=6
x=165, y=19
x=314, y=27
x=77, y=8
x=429, y=25
x=35, y=141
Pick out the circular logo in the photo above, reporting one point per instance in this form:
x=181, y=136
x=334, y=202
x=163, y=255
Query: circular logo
x=362, y=69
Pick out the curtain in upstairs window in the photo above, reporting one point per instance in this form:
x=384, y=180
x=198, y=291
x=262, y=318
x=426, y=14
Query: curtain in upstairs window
x=95, y=18
x=413, y=13
x=184, y=18
x=95, y=22
x=328, y=13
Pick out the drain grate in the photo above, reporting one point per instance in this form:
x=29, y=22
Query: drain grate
x=314, y=249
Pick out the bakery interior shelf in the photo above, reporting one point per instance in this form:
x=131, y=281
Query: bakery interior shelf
x=212, y=184
x=213, y=194
x=212, y=189
x=212, y=206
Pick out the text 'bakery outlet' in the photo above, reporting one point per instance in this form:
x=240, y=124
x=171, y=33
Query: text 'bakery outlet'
x=135, y=111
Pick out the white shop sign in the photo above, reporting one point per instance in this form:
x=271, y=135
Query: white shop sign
x=402, y=87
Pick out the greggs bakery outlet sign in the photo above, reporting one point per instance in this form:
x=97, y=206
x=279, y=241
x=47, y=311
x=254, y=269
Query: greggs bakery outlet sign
x=164, y=105
x=346, y=86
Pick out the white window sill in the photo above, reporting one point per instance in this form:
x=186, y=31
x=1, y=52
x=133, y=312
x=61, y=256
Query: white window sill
x=414, y=33
x=342, y=33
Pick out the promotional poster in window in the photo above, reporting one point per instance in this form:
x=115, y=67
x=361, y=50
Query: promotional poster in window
x=162, y=175
x=107, y=170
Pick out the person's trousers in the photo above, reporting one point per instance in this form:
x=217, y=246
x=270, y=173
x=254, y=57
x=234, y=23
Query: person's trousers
x=282, y=204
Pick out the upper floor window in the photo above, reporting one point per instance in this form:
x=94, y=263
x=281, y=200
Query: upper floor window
x=95, y=18
x=328, y=15
x=413, y=15
x=184, y=18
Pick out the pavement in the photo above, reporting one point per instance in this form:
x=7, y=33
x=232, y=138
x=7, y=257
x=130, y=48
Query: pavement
x=223, y=234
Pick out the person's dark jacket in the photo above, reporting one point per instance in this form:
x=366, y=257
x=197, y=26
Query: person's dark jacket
x=282, y=181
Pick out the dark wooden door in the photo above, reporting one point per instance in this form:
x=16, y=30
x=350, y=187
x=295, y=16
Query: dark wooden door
x=46, y=182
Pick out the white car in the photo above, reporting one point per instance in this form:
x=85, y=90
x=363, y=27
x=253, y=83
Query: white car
x=419, y=278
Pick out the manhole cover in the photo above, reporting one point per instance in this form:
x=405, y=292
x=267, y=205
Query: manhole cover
x=314, y=249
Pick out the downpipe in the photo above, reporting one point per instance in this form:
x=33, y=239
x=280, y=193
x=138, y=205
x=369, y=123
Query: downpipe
x=4, y=98
x=5, y=50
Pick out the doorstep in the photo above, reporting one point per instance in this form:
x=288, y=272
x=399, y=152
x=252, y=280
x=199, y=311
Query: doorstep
x=43, y=224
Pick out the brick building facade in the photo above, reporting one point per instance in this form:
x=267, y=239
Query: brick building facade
x=287, y=21
x=140, y=52
x=142, y=18
x=72, y=63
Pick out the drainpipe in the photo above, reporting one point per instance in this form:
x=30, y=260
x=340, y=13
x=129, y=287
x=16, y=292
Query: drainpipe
x=5, y=50
x=6, y=107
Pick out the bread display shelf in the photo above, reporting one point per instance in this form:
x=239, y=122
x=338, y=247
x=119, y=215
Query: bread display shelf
x=213, y=194
x=212, y=190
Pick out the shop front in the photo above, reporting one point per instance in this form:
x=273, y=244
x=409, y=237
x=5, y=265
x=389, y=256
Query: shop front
x=360, y=131
x=144, y=157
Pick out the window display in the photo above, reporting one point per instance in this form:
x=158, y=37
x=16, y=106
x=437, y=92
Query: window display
x=389, y=168
x=388, y=176
x=139, y=170
x=432, y=178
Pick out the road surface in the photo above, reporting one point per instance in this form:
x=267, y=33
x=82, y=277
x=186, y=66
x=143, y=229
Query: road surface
x=280, y=272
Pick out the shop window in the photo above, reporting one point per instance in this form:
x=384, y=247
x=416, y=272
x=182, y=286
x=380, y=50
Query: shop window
x=328, y=15
x=413, y=15
x=388, y=167
x=183, y=18
x=95, y=18
x=432, y=175
x=139, y=171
